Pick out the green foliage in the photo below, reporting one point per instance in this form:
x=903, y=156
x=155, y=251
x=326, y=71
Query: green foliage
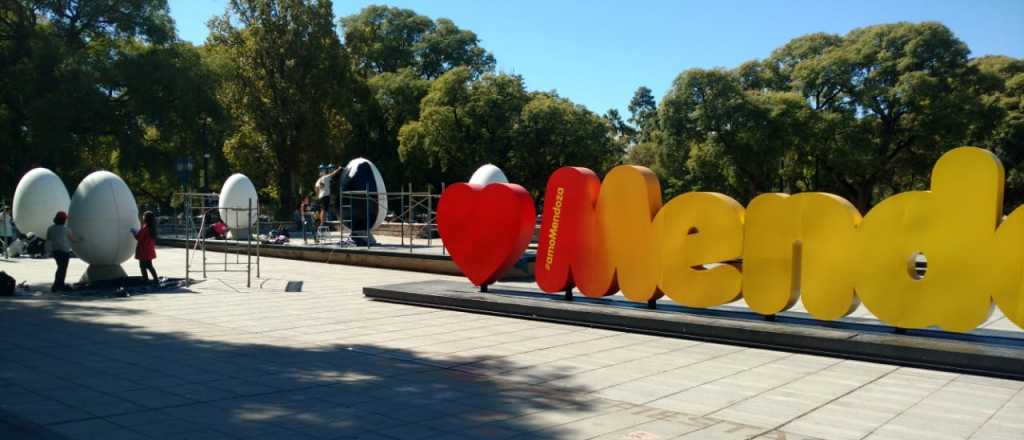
x=465, y=123
x=274, y=92
x=100, y=85
x=1003, y=129
x=643, y=114
x=285, y=86
x=862, y=115
x=385, y=39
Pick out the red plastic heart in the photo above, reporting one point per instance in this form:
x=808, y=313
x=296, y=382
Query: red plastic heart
x=485, y=228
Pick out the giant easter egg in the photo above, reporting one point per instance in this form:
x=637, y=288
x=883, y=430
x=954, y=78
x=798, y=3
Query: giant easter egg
x=234, y=204
x=101, y=217
x=488, y=174
x=367, y=211
x=39, y=196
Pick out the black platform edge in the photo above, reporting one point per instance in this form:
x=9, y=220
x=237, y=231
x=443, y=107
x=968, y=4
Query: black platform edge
x=958, y=356
x=374, y=257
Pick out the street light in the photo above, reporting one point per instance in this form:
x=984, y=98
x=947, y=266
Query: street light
x=184, y=167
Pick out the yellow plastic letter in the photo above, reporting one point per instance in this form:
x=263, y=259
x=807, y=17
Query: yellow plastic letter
x=630, y=198
x=952, y=226
x=1008, y=267
x=800, y=246
x=697, y=229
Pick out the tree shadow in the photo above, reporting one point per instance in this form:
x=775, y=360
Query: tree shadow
x=79, y=368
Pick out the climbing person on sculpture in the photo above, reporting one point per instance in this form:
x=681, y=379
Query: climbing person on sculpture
x=323, y=190
x=145, y=249
x=58, y=244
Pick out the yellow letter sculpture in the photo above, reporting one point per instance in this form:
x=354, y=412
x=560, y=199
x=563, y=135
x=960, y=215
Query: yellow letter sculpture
x=1008, y=267
x=801, y=245
x=697, y=229
x=630, y=198
x=953, y=227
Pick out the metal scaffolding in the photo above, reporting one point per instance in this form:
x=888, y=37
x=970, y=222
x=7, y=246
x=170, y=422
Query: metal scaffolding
x=204, y=206
x=417, y=212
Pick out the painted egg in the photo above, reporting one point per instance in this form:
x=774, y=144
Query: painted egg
x=488, y=174
x=39, y=196
x=102, y=215
x=235, y=195
x=366, y=210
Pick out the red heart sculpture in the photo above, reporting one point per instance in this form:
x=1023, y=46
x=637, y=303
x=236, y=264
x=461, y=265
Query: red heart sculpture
x=485, y=228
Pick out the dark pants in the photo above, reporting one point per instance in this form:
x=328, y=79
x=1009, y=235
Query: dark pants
x=62, y=269
x=145, y=265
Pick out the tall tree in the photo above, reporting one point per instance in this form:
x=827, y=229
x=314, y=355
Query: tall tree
x=285, y=86
x=386, y=39
x=1003, y=130
x=464, y=123
x=881, y=98
x=643, y=112
x=98, y=84
x=552, y=132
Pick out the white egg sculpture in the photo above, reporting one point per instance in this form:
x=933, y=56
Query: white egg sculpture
x=39, y=196
x=488, y=174
x=234, y=205
x=101, y=217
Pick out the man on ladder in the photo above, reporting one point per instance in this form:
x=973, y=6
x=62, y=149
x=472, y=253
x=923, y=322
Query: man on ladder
x=323, y=190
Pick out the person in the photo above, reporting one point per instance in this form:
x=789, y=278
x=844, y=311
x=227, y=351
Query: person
x=58, y=244
x=323, y=190
x=7, y=234
x=145, y=247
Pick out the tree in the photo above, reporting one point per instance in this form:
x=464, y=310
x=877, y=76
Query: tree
x=463, y=124
x=621, y=130
x=643, y=111
x=552, y=132
x=396, y=53
x=285, y=87
x=99, y=84
x=879, y=99
x=905, y=94
x=719, y=137
x=386, y=39
x=1003, y=129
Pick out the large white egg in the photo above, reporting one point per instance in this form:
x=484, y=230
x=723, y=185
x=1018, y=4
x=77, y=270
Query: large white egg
x=488, y=174
x=102, y=214
x=39, y=196
x=235, y=195
x=362, y=175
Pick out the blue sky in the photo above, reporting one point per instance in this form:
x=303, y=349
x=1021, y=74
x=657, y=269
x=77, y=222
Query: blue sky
x=598, y=52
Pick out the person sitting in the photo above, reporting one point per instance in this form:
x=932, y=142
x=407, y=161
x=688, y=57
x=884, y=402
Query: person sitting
x=58, y=244
x=219, y=230
x=145, y=248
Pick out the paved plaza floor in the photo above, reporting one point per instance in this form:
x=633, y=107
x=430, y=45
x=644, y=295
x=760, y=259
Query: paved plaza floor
x=219, y=360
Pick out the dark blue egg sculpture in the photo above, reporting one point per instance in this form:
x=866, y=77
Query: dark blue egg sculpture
x=364, y=200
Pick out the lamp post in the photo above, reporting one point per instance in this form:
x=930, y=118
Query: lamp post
x=184, y=167
x=204, y=181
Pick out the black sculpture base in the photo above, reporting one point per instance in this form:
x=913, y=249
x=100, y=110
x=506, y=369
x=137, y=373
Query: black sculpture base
x=966, y=353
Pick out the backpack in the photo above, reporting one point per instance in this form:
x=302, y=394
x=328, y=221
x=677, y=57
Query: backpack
x=6, y=284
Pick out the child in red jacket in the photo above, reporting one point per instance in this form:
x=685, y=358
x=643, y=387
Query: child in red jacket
x=145, y=250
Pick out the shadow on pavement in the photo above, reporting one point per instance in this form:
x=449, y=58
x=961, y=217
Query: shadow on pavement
x=77, y=369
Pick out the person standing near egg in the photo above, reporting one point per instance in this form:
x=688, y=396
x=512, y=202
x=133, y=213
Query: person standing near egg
x=145, y=247
x=58, y=244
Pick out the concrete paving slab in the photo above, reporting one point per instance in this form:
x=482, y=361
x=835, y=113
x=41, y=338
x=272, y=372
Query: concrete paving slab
x=328, y=363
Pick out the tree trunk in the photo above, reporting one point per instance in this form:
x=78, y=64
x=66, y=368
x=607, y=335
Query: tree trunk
x=285, y=191
x=863, y=201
